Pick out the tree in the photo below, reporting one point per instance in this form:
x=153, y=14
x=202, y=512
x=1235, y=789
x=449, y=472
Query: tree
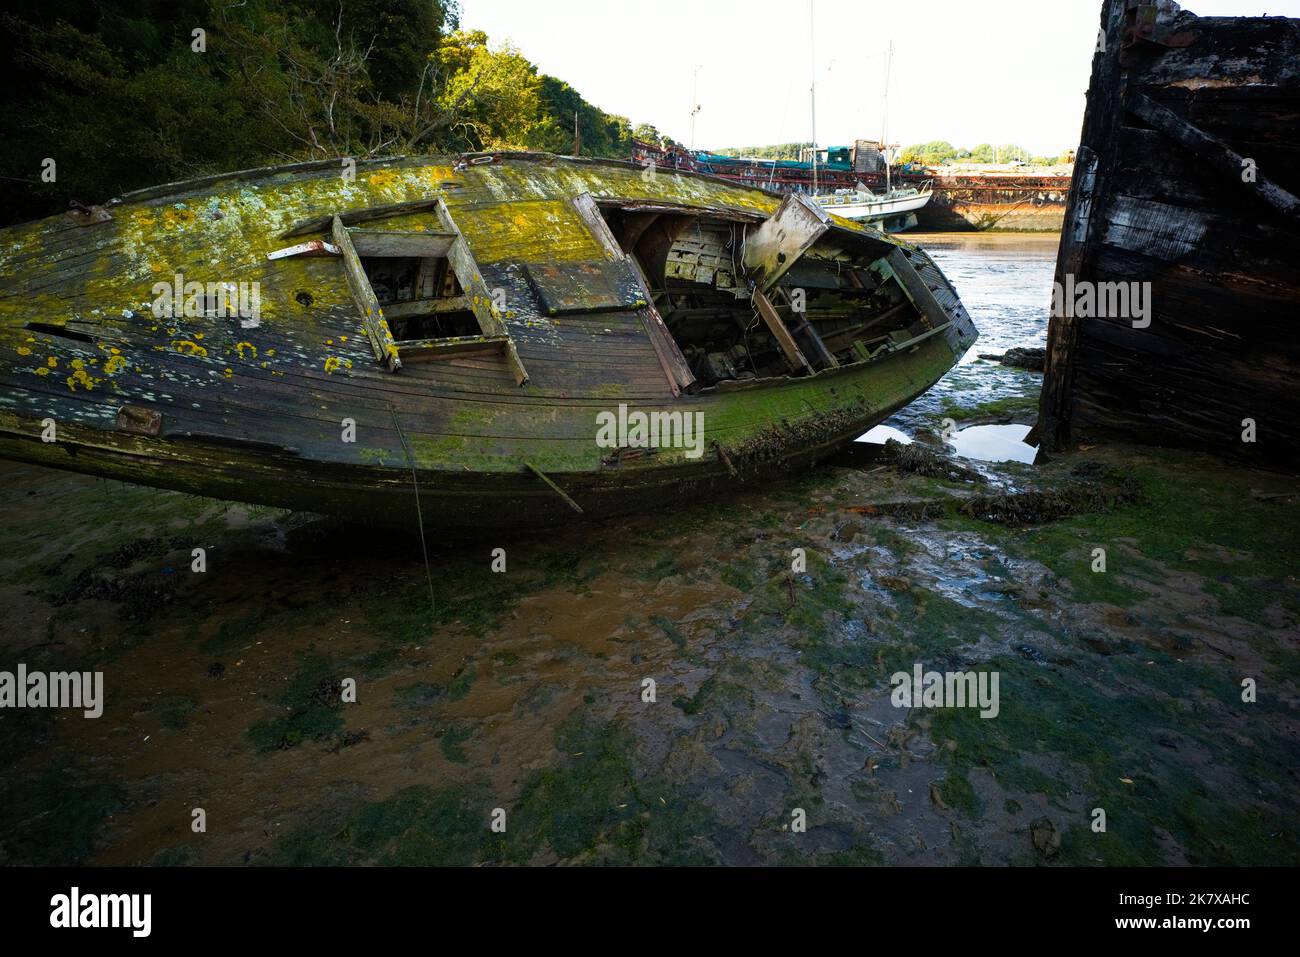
x=116, y=93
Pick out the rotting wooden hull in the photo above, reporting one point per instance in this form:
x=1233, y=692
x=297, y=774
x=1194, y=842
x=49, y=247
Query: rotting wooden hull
x=258, y=412
x=1186, y=179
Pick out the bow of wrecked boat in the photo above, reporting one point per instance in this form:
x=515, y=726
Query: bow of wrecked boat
x=498, y=339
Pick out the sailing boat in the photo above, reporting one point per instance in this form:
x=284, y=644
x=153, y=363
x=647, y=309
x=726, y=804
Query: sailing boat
x=893, y=210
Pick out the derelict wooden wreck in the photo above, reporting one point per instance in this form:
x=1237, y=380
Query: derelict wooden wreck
x=458, y=325
x=1187, y=177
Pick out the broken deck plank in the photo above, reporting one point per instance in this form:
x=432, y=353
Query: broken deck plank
x=782, y=335
x=372, y=317
x=776, y=245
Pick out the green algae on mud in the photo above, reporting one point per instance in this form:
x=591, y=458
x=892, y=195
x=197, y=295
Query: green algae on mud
x=524, y=691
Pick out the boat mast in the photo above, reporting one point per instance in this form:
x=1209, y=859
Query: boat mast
x=695, y=103
x=812, y=47
x=884, y=115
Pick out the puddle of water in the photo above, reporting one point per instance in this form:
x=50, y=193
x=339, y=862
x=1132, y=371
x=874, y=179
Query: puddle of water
x=993, y=443
x=882, y=433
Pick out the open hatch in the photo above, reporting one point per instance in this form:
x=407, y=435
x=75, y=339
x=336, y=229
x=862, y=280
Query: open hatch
x=420, y=294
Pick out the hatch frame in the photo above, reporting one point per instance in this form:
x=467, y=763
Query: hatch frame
x=447, y=243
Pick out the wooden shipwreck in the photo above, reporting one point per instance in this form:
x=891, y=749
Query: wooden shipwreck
x=486, y=340
x=1187, y=178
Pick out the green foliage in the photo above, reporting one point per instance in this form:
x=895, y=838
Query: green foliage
x=778, y=151
x=116, y=94
x=940, y=152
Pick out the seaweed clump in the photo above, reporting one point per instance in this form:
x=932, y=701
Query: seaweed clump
x=919, y=460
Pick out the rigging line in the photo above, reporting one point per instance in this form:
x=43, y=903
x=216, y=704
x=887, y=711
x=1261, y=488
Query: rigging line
x=419, y=515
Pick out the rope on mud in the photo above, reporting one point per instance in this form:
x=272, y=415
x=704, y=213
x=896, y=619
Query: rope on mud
x=419, y=515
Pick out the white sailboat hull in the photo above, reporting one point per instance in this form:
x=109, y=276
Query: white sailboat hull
x=872, y=209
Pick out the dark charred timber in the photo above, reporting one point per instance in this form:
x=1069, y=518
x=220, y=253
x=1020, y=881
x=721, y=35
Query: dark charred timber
x=1186, y=178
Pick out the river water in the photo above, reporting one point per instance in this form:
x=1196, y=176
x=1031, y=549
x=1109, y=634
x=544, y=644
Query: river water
x=1005, y=282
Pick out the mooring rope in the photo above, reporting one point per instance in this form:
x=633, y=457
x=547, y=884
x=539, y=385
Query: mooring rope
x=419, y=515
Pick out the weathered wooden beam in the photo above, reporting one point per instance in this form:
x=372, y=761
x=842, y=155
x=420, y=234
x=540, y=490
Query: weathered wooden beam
x=553, y=487
x=669, y=208
x=372, y=317
x=453, y=347
x=920, y=294
x=634, y=227
x=424, y=307
x=589, y=212
x=801, y=325
x=1213, y=152
x=384, y=242
x=429, y=276
x=773, y=247
x=353, y=216
x=471, y=280
x=516, y=364
x=780, y=333
x=476, y=292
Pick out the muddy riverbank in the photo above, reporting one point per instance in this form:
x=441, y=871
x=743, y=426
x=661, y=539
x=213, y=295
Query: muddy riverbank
x=524, y=690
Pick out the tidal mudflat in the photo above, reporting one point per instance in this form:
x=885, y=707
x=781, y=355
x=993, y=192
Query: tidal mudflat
x=770, y=625
x=525, y=689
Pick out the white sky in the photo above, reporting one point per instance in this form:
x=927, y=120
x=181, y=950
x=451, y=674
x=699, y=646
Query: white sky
x=968, y=71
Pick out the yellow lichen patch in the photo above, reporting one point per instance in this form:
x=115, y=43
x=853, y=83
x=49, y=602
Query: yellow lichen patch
x=437, y=174
x=42, y=371
x=174, y=218
x=187, y=348
x=114, y=365
x=24, y=351
x=384, y=179
x=52, y=362
x=246, y=350
x=334, y=363
x=228, y=372
x=80, y=377
x=529, y=231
